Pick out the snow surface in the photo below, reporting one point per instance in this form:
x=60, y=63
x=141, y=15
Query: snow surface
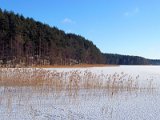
x=28, y=104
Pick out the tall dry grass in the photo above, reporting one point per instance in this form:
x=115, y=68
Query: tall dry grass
x=19, y=85
x=72, y=80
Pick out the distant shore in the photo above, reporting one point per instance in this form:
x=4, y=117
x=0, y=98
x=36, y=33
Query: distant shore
x=74, y=66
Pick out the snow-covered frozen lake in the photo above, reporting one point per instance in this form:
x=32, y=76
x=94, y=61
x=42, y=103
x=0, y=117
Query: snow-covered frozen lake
x=24, y=103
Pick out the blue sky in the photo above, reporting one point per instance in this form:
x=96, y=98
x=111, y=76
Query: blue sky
x=130, y=27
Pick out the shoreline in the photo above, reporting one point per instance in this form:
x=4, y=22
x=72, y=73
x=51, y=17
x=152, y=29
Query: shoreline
x=75, y=66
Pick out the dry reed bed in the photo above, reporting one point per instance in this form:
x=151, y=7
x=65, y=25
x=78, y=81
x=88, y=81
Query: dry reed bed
x=17, y=86
x=73, y=80
x=75, y=66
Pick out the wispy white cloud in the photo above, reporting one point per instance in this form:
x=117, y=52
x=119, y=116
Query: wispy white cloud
x=136, y=10
x=69, y=31
x=126, y=14
x=132, y=12
x=68, y=21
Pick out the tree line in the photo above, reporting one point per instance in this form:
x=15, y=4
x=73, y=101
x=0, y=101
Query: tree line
x=117, y=59
x=125, y=60
x=25, y=41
